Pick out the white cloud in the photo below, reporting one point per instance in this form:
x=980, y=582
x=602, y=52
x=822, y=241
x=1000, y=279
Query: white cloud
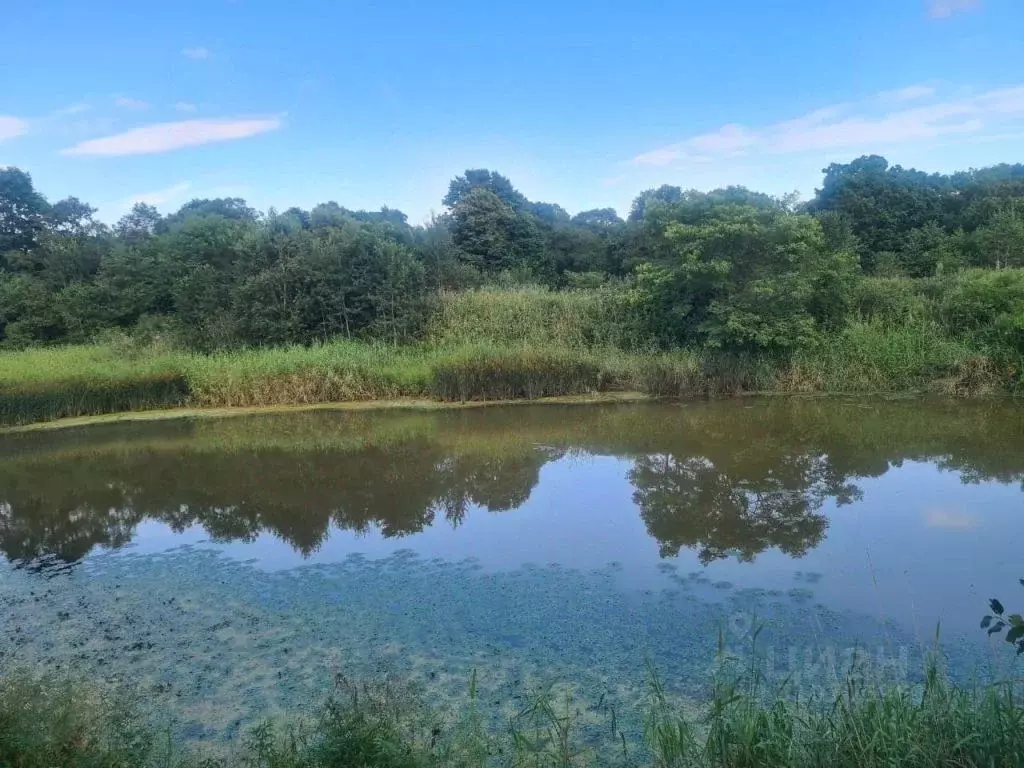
x=12, y=127
x=197, y=52
x=72, y=109
x=165, y=137
x=910, y=93
x=850, y=128
x=125, y=102
x=943, y=9
x=185, y=106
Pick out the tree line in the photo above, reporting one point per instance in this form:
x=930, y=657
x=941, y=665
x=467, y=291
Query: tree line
x=731, y=268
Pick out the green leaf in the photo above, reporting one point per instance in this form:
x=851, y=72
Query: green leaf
x=1015, y=634
x=996, y=606
x=985, y=622
x=1016, y=620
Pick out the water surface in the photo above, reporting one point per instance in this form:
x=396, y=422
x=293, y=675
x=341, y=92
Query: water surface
x=234, y=566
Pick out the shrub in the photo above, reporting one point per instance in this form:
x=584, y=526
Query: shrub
x=989, y=306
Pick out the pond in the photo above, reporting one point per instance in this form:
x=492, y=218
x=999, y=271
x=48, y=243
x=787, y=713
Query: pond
x=231, y=568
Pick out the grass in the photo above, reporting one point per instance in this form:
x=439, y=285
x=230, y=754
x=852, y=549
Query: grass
x=67, y=382
x=532, y=315
x=46, y=722
x=500, y=345
x=53, y=383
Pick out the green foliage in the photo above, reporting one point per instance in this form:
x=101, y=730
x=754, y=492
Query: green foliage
x=43, y=384
x=22, y=212
x=533, y=315
x=999, y=621
x=744, y=280
x=910, y=223
x=46, y=723
x=877, y=357
x=487, y=373
x=988, y=306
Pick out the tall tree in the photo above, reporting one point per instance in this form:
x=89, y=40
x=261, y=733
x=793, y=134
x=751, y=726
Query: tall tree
x=22, y=211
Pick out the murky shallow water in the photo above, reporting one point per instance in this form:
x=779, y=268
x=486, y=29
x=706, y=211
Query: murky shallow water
x=233, y=567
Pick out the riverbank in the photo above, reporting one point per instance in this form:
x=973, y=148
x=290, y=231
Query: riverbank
x=45, y=721
x=42, y=385
x=407, y=404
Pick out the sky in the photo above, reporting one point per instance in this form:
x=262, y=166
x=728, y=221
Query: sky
x=583, y=103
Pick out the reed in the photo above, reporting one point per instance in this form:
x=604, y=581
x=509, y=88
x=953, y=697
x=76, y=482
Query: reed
x=535, y=316
x=387, y=724
x=486, y=372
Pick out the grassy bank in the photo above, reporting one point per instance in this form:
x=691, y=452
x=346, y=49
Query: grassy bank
x=501, y=345
x=42, y=385
x=46, y=722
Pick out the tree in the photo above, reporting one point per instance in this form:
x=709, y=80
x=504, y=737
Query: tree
x=1001, y=241
x=663, y=195
x=232, y=208
x=22, y=212
x=925, y=249
x=599, y=219
x=481, y=178
x=881, y=203
x=745, y=280
x=71, y=216
x=142, y=221
x=483, y=226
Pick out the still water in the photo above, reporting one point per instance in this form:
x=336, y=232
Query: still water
x=232, y=567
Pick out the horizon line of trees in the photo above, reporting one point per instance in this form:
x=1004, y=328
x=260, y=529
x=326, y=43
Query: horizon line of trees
x=731, y=268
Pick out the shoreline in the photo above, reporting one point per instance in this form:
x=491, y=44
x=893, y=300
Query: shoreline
x=426, y=404
x=412, y=404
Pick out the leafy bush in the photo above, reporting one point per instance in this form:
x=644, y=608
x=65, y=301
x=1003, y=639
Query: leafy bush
x=988, y=305
x=744, y=280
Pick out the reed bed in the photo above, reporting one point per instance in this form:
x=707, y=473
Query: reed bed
x=47, y=722
x=500, y=345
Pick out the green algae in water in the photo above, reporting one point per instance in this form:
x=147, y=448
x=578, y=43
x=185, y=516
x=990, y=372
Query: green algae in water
x=221, y=644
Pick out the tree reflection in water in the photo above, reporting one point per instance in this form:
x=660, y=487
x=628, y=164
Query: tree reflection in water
x=724, y=479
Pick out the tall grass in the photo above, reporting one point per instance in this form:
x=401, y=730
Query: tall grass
x=534, y=316
x=334, y=372
x=44, y=722
x=877, y=357
x=523, y=343
x=53, y=383
x=486, y=372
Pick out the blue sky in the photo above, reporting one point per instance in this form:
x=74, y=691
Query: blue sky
x=580, y=103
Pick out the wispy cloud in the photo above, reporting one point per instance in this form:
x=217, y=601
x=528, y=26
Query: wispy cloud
x=185, y=106
x=165, y=137
x=72, y=109
x=850, y=127
x=197, y=52
x=943, y=9
x=910, y=93
x=12, y=127
x=125, y=102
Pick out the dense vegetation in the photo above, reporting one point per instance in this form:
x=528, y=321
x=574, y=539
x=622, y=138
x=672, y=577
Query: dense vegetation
x=887, y=280
x=48, y=721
